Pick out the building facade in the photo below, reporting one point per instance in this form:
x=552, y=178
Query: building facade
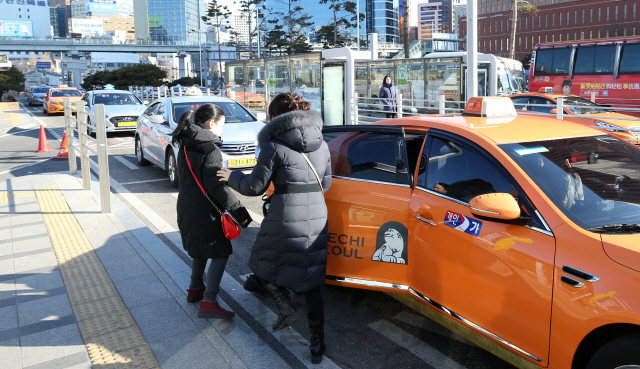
x=176, y=20
x=59, y=22
x=78, y=9
x=383, y=18
x=25, y=20
x=429, y=20
x=556, y=20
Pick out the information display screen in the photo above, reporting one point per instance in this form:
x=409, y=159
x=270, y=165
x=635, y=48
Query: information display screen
x=16, y=28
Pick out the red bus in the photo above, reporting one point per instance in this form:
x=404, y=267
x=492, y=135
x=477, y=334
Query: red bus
x=608, y=67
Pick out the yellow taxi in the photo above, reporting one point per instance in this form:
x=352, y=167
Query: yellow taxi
x=582, y=111
x=53, y=100
x=524, y=240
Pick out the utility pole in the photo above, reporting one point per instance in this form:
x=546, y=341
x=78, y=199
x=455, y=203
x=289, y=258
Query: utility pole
x=407, y=20
x=514, y=25
x=472, y=49
x=358, y=23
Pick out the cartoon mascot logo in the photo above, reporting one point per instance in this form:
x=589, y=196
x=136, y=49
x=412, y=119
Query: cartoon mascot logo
x=391, y=243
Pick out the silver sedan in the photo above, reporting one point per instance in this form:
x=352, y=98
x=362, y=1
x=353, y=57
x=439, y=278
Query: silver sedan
x=122, y=109
x=153, y=143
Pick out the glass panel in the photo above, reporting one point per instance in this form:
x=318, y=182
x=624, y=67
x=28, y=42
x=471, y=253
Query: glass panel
x=585, y=58
x=630, y=62
x=333, y=94
x=278, y=76
x=444, y=77
x=411, y=85
x=255, y=99
x=561, y=61
x=552, y=61
x=306, y=78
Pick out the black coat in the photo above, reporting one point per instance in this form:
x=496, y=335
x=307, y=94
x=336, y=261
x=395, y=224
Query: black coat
x=388, y=97
x=199, y=222
x=291, y=247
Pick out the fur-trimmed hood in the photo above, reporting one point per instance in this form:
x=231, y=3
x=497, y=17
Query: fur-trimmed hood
x=301, y=129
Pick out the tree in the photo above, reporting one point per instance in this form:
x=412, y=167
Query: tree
x=96, y=79
x=526, y=61
x=519, y=8
x=293, y=28
x=186, y=81
x=121, y=79
x=248, y=9
x=217, y=15
x=407, y=27
x=11, y=80
x=329, y=38
x=337, y=6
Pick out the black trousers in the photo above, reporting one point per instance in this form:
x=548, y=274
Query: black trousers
x=391, y=115
x=315, y=305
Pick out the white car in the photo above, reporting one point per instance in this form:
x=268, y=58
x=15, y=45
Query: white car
x=153, y=143
x=122, y=109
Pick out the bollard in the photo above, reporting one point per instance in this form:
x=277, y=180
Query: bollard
x=103, y=159
x=84, y=159
x=560, y=108
x=441, y=105
x=73, y=165
x=399, y=105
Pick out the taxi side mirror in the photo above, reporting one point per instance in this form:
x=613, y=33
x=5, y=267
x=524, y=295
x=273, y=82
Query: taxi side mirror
x=156, y=119
x=553, y=111
x=495, y=205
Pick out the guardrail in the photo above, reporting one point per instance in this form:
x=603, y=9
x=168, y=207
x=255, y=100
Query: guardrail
x=78, y=125
x=371, y=109
x=151, y=94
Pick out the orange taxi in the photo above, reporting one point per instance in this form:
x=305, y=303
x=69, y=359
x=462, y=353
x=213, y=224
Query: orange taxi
x=582, y=111
x=247, y=98
x=524, y=241
x=53, y=100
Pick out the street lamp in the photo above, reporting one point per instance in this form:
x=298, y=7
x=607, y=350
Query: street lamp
x=200, y=50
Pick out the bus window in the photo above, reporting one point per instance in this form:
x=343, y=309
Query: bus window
x=551, y=62
x=595, y=60
x=630, y=61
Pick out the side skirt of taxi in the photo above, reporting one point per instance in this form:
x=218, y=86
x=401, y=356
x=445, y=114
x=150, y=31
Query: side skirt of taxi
x=445, y=317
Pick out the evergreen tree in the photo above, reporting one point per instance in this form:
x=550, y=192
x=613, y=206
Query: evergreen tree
x=248, y=10
x=217, y=15
x=344, y=17
x=11, y=80
x=289, y=28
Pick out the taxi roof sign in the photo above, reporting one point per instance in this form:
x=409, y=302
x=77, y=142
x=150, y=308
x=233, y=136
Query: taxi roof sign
x=546, y=90
x=109, y=87
x=193, y=91
x=490, y=107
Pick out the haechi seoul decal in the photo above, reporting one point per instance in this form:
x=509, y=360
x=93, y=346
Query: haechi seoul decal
x=391, y=243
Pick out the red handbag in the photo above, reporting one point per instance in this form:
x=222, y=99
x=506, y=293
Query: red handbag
x=230, y=227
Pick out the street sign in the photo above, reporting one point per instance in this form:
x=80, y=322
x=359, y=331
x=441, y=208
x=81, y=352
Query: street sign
x=43, y=65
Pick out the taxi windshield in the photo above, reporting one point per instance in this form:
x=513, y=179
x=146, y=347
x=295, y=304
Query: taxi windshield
x=579, y=105
x=233, y=112
x=116, y=99
x=594, y=181
x=65, y=93
x=41, y=90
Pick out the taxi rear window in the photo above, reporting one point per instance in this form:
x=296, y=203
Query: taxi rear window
x=233, y=112
x=65, y=93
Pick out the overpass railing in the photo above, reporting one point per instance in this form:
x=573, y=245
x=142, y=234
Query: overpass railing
x=94, y=41
x=78, y=125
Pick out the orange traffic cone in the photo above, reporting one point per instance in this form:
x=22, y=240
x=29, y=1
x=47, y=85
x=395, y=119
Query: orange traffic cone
x=64, y=148
x=43, y=146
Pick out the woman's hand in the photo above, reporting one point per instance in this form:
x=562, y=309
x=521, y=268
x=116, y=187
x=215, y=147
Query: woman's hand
x=224, y=174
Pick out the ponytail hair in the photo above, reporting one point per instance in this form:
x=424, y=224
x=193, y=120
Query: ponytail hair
x=286, y=102
x=198, y=117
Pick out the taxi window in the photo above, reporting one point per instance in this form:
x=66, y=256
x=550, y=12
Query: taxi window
x=153, y=109
x=457, y=172
x=520, y=103
x=542, y=109
x=233, y=112
x=365, y=155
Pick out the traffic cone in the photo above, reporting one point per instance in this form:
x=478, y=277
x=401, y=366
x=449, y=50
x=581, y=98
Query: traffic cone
x=64, y=148
x=43, y=146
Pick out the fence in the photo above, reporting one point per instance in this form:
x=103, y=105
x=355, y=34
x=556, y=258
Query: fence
x=371, y=109
x=78, y=125
x=151, y=94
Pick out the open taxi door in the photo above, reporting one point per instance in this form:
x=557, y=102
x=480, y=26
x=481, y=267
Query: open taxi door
x=368, y=208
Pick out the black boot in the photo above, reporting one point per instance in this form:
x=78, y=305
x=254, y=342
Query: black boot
x=252, y=284
x=287, y=314
x=317, y=346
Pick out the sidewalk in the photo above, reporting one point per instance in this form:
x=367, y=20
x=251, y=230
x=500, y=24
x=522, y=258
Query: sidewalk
x=81, y=289
x=10, y=119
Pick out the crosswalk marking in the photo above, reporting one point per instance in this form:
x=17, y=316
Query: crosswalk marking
x=126, y=162
x=431, y=356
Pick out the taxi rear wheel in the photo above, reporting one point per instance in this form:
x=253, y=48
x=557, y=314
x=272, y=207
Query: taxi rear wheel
x=140, y=154
x=172, y=169
x=620, y=353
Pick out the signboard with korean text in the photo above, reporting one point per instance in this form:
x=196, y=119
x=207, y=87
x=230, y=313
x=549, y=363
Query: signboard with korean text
x=16, y=28
x=101, y=6
x=43, y=65
x=87, y=26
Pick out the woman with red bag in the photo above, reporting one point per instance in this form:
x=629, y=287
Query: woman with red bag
x=201, y=198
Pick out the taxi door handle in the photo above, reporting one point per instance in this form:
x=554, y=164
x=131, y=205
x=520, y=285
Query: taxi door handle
x=428, y=221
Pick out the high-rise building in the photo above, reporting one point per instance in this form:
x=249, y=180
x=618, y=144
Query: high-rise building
x=78, y=9
x=382, y=17
x=66, y=4
x=59, y=24
x=141, y=18
x=116, y=16
x=176, y=20
x=31, y=19
x=429, y=20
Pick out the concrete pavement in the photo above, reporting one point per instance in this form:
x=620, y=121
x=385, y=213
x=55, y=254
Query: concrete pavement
x=79, y=288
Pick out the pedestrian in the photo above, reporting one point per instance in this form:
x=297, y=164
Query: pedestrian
x=388, y=97
x=290, y=251
x=199, y=158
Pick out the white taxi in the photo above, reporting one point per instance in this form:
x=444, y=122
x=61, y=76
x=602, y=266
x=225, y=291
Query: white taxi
x=153, y=142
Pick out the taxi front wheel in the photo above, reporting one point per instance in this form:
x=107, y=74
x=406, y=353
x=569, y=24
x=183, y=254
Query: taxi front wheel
x=172, y=169
x=620, y=353
x=140, y=154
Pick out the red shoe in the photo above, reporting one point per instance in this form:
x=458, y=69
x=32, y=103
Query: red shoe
x=195, y=294
x=213, y=310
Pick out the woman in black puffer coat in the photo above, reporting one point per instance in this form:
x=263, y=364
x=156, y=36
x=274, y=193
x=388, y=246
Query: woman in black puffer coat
x=200, y=224
x=291, y=248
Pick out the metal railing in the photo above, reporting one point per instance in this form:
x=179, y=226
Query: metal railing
x=78, y=125
x=151, y=94
x=371, y=109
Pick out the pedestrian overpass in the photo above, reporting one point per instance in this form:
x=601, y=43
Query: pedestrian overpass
x=96, y=45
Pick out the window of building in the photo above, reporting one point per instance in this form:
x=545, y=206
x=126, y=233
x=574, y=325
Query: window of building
x=575, y=17
x=599, y=15
x=615, y=32
x=575, y=35
x=526, y=23
x=595, y=60
x=607, y=13
x=560, y=19
x=553, y=19
x=531, y=41
x=582, y=16
x=630, y=60
x=590, y=15
x=607, y=33
x=520, y=23
x=546, y=20
x=533, y=22
x=484, y=28
x=501, y=23
x=546, y=38
x=525, y=43
x=598, y=33
x=615, y=15
x=634, y=12
x=560, y=37
x=110, y=65
x=624, y=14
x=553, y=38
x=496, y=26
x=590, y=34
x=567, y=35
x=624, y=31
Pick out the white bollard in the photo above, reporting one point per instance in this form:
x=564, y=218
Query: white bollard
x=560, y=108
x=399, y=105
x=441, y=105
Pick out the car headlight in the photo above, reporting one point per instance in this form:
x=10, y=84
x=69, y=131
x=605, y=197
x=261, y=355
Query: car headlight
x=609, y=127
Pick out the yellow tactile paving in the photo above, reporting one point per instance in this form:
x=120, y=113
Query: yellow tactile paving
x=107, y=328
x=15, y=121
x=5, y=196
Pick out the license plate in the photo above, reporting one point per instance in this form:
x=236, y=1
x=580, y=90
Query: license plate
x=127, y=124
x=242, y=162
